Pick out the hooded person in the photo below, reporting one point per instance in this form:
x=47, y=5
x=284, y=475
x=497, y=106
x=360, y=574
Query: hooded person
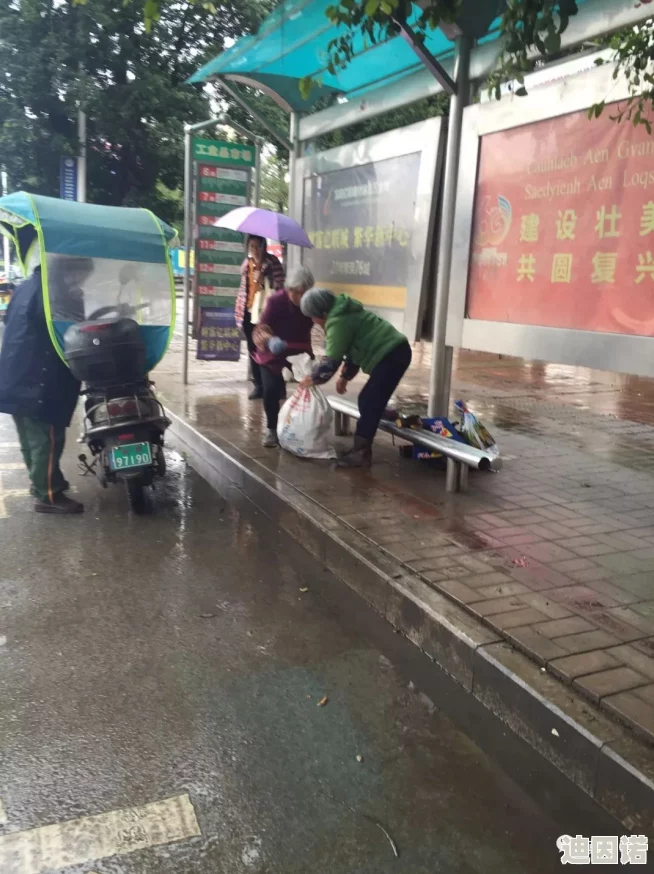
x=357, y=339
x=36, y=387
x=261, y=271
x=283, y=330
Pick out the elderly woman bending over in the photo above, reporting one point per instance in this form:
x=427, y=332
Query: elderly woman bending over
x=357, y=339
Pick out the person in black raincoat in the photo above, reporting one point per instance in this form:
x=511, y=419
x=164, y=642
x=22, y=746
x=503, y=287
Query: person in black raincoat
x=39, y=390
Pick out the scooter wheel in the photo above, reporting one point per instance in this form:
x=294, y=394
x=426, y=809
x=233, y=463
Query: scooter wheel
x=136, y=495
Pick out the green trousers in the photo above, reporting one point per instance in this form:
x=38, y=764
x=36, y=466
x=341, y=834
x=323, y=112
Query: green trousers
x=42, y=445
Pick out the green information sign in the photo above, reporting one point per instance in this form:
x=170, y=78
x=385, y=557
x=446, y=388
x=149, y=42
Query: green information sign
x=223, y=174
x=224, y=153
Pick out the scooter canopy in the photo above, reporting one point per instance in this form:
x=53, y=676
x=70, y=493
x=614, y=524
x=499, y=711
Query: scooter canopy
x=96, y=262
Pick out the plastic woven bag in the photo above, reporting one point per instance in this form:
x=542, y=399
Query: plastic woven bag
x=306, y=418
x=474, y=432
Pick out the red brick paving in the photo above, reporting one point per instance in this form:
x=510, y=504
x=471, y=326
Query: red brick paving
x=556, y=551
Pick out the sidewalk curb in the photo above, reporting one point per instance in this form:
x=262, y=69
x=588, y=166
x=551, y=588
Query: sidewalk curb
x=598, y=754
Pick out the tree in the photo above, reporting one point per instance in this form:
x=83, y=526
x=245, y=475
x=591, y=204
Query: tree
x=131, y=80
x=274, y=183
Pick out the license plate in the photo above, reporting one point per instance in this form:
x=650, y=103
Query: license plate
x=130, y=455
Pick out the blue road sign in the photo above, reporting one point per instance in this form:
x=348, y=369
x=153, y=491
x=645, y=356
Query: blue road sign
x=68, y=179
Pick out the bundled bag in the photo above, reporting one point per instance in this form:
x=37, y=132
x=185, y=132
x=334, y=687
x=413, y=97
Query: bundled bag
x=474, y=432
x=306, y=418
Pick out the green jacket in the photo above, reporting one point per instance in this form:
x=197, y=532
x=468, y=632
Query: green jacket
x=362, y=336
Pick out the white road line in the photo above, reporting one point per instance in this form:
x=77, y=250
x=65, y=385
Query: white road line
x=92, y=838
x=3, y=814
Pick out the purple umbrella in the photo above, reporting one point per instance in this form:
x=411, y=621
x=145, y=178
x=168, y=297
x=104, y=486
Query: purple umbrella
x=264, y=223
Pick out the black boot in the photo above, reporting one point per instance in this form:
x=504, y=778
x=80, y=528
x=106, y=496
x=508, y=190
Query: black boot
x=60, y=505
x=359, y=456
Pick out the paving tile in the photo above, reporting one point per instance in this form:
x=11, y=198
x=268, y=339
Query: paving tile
x=574, y=564
x=496, y=605
x=632, y=656
x=573, y=666
x=547, y=552
x=587, y=641
x=603, y=683
x=645, y=646
x=501, y=590
x=646, y=693
x=540, y=648
x=613, y=590
x=646, y=608
x=582, y=598
x=623, y=563
x=562, y=627
x=633, y=710
x=458, y=590
x=492, y=578
x=514, y=618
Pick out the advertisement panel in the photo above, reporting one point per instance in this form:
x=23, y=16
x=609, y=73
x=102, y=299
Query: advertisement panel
x=219, y=339
x=563, y=228
x=361, y=221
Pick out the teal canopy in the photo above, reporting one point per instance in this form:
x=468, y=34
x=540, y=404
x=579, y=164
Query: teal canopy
x=292, y=44
x=95, y=259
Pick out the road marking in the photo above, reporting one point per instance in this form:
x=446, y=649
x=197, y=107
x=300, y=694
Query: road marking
x=3, y=814
x=12, y=465
x=92, y=838
x=9, y=445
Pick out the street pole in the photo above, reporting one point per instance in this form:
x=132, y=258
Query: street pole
x=5, y=240
x=257, y=172
x=188, y=242
x=441, y=363
x=81, y=160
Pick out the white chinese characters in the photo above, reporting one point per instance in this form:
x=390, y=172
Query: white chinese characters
x=603, y=850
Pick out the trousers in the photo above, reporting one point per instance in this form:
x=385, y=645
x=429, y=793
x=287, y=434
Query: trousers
x=377, y=392
x=41, y=445
x=274, y=388
x=248, y=328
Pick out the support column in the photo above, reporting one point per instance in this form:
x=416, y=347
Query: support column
x=441, y=365
x=188, y=243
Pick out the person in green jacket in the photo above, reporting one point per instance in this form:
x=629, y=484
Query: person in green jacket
x=357, y=339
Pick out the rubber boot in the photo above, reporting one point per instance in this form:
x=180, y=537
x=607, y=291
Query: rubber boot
x=359, y=456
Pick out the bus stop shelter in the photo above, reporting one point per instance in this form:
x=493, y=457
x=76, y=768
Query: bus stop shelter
x=292, y=44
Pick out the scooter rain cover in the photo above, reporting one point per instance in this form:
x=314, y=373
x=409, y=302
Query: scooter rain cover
x=96, y=262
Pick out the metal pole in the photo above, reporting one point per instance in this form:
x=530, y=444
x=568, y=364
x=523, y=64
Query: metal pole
x=441, y=363
x=257, y=172
x=256, y=115
x=188, y=243
x=5, y=240
x=81, y=161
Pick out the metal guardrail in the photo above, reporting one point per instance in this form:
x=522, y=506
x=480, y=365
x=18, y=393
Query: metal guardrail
x=459, y=456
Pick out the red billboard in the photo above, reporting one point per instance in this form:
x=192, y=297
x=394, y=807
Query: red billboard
x=563, y=231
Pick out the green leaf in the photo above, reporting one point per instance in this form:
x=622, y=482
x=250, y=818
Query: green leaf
x=305, y=85
x=371, y=7
x=386, y=7
x=521, y=92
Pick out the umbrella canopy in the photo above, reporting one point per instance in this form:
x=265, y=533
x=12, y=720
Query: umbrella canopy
x=264, y=223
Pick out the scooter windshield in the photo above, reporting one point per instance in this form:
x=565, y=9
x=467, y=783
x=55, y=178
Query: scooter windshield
x=97, y=262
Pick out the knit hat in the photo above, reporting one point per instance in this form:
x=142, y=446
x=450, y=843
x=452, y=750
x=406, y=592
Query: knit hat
x=317, y=302
x=300, y=279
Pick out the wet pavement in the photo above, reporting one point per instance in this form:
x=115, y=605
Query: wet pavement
x=178, y=656
x=555, y=553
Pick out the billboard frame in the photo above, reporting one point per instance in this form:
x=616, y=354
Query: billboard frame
x=423, y=137
x=623, y=353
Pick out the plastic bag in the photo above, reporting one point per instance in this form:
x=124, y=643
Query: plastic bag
x=306, y=418
x=474, y=432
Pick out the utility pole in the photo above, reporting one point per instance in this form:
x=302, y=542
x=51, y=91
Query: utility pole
x=5, y=240
x=81, y=137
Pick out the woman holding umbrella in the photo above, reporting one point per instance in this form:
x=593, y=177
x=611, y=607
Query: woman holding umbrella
x=260, y=269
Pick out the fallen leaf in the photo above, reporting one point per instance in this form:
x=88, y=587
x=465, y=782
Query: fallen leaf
x=555, y=732
x=359, y=758
x=304, y=589
x=323, y=701
x=207, y=615
x=520, y=562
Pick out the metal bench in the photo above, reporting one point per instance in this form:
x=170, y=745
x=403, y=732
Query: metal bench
x=459, y=456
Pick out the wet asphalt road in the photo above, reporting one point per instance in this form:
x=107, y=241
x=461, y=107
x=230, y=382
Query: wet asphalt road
x=147, y=657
